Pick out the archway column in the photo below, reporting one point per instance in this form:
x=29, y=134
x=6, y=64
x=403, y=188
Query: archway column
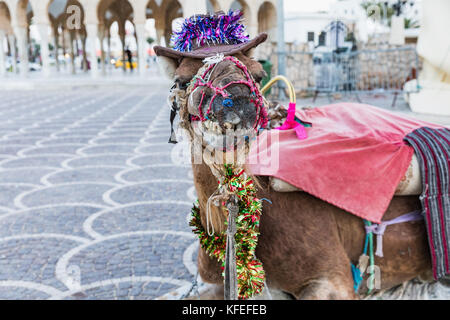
x=159, y=28
x=91, y=23
x=101, y=30
x=43, y=33
x=92, y=33
x=72, y=37
x=122, y=41
x=42, y=23
x=139, y=8
x=83, y=39
x=2, y=53
x=12, y=46
x=108, y=54
x=252, y=21
x=140, y=34
x=159, y=36
x=21, y=36
x=56, y=42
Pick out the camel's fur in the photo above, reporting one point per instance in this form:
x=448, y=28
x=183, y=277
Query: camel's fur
x=306, y=245
x=306, y=242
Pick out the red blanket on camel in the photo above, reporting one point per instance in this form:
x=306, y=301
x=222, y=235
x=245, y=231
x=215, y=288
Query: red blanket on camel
x=354, y=156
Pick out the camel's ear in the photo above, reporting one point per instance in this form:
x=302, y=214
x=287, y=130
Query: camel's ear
x=253, y=65
x=167, y=66
x=250, y=53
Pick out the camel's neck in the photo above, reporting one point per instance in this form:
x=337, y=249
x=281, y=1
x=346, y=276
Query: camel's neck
x=206, y=184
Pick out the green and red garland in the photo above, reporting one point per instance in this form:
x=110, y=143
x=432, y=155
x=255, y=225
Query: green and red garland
x=250, y=272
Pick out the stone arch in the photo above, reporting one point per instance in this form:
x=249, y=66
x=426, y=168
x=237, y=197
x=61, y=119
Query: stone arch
x=5, y=18
x=109, y=11
x=61, y=14
x=56, y=9
x=153, y=12
x=121, y=8
x=23, y=11
x=173, y=11
x=250, y=19
x=5, y=33
x=102, y=8
x=212, y=6
x=24, y=14
x=243, y=6
x=129, y=21
x=119, y=11
x=151, y=9
x=112, y=24
x=156, y=9
x=69, y=31
x=267, y=19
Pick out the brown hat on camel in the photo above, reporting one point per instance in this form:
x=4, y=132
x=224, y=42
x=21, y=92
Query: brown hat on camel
x=202, y=36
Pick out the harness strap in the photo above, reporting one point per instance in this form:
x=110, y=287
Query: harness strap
x=368, y=256
x=172, y=101
x=379, y=229
x=203, y=80
x=173, y=136
x=230, y=276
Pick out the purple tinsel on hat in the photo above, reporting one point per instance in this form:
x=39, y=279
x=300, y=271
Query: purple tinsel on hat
x=210, y=29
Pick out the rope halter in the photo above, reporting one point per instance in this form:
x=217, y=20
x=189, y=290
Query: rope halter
x=202, y=79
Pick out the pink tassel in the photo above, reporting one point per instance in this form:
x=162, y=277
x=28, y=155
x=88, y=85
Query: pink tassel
x=290, y=123
x=301, y=132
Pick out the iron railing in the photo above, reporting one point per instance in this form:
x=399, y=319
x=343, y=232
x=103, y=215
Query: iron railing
x=363, y=71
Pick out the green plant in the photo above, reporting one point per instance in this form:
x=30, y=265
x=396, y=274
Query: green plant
x=411, y=24
x=386, y=12
x=383, y=11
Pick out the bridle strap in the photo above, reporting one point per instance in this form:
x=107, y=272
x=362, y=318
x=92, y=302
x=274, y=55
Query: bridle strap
x=257, y=99
x=173, y=136
x=201, y=79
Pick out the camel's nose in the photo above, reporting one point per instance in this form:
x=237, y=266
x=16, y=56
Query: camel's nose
x=235, y=112
x=231, y=118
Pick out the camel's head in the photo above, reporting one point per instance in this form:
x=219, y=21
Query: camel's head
x=216, y=80
x=222, y=96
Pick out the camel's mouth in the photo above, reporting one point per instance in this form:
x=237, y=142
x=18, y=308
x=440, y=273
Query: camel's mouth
x=216, y=137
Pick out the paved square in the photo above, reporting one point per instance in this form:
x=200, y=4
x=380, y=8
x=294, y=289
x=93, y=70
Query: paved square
x=91, y=205
x=93, y=202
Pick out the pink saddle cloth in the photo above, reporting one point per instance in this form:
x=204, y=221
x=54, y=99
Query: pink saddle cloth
x=354, y=156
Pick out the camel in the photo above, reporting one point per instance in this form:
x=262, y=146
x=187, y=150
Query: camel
x=306, y=244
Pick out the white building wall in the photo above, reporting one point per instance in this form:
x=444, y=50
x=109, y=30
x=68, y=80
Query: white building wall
x=296, y=27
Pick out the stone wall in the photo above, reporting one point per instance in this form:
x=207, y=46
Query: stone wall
x=374, y=66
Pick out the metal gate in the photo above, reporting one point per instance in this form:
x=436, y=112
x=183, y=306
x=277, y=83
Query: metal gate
x=363, y=71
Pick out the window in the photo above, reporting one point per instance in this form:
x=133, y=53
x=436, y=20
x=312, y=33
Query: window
x=322, y=38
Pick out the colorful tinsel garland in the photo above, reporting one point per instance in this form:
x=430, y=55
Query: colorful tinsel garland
x=210, y=29
x=250, y=271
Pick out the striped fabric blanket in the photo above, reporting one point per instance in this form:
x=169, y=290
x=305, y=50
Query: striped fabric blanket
x=432, y=148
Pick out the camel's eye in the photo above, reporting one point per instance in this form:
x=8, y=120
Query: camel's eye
x=181, y=84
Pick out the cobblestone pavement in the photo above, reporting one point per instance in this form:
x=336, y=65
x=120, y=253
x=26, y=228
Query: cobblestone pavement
x=91, y=205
